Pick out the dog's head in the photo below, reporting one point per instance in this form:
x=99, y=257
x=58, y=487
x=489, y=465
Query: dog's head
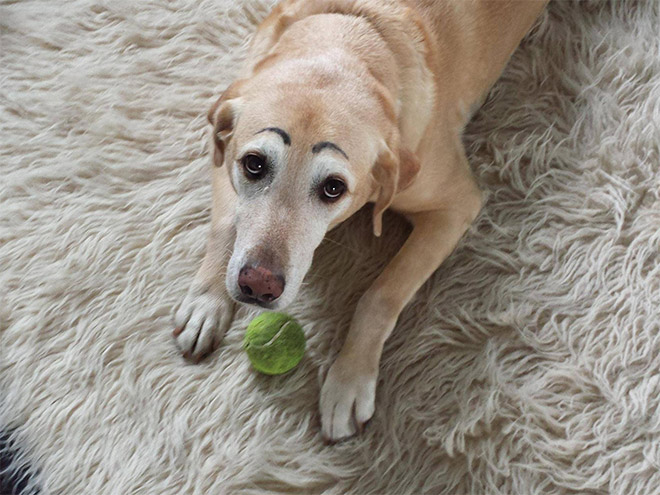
x=303, y=154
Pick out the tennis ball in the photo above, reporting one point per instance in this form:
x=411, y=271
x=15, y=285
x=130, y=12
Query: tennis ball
x=274, y=342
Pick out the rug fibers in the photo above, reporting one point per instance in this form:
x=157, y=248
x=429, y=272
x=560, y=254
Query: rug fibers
x=529, y=362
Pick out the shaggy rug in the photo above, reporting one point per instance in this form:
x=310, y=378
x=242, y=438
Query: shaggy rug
x=529, y=362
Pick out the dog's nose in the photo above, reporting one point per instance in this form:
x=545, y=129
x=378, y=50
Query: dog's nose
x=260, y=283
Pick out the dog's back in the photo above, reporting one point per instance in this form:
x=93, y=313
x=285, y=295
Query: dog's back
x=475, y=38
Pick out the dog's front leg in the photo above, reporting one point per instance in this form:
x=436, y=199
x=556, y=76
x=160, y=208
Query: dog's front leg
x=348, y=394
x=206, y=312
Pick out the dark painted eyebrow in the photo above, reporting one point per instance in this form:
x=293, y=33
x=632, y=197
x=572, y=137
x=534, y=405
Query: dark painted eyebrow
x=285, y=137
x=327, y=144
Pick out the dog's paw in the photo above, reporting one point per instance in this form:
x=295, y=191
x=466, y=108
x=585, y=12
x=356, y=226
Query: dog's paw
x=201, y=321
x=347, y=402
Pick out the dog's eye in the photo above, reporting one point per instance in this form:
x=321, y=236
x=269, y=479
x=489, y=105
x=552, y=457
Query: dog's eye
x=333, y=188
x=254, y=165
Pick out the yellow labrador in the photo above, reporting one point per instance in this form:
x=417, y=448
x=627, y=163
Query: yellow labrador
x=340, y=103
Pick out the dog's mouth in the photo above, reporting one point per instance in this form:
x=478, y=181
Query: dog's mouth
x=252, y=301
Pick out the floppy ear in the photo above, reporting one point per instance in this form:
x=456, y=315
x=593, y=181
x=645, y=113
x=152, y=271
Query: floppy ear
x=393, y=172
x=222, y=117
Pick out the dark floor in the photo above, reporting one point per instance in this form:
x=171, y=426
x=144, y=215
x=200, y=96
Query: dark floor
x=12, y=482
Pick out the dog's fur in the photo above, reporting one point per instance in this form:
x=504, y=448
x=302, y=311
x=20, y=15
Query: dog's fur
x=390, y=85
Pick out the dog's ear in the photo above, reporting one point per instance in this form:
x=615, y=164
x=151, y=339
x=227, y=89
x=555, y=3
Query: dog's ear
x=222, y=117
x=394, y=170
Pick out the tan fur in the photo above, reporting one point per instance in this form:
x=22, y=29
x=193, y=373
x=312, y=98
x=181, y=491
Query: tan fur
x=393, y=83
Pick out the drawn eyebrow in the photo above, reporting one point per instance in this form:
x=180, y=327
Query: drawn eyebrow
x=285, y=137
x=327, y=144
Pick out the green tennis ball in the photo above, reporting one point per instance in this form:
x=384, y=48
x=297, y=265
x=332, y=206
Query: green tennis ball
x=274, y=342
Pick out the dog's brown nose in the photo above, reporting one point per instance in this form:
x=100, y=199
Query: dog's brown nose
x=260, y=283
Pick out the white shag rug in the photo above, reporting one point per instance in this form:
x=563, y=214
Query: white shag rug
x=529, y=363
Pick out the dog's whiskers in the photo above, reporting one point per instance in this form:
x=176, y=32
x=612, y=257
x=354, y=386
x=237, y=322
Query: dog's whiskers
x=330, y=239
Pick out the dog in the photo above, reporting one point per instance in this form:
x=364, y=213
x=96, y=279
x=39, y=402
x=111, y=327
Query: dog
x=342, y=103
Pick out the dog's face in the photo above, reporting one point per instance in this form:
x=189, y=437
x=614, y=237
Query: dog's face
x=302, y=157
